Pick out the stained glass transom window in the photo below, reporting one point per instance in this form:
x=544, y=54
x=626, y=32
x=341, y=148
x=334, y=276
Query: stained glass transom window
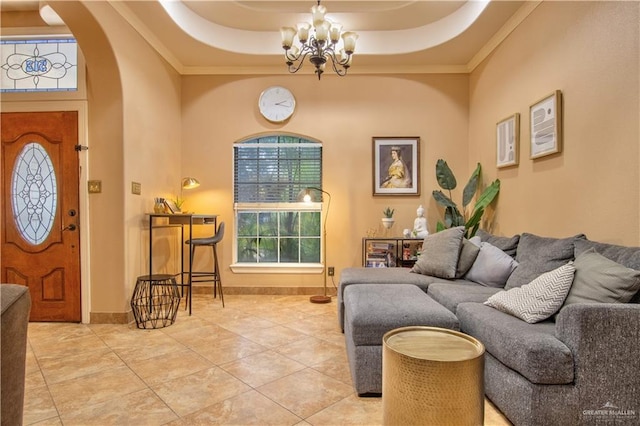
x=34, y=193
x=47, y=65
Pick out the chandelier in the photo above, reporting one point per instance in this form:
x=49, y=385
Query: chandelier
x=321, y=47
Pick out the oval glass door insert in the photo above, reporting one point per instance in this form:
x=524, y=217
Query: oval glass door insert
x=34, y=194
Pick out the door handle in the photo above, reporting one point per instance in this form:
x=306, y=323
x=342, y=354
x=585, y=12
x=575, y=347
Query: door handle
x=70, y=227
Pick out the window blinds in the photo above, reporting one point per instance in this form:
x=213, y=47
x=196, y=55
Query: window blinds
x=275, y=169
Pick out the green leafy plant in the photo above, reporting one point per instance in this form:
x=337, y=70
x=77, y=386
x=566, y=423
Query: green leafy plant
x=388, y=212
x=470, y=218
x=179, y=202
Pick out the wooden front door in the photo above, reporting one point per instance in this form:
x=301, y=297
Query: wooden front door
x=40, y=236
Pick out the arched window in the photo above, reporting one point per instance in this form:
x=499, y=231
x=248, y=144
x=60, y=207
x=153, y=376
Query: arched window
x=273, y=228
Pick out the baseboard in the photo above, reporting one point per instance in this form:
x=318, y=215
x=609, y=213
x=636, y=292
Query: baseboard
x=111, y=317
x=127, y=317
x=271, y=291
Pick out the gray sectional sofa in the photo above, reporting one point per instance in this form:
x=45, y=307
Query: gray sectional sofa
x=579, y=366
x=16, y=306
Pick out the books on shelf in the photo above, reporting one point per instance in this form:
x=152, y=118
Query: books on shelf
x=380, y=259
x=387, y=253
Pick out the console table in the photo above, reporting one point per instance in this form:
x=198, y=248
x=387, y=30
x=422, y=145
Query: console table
x=390, y=252
x=180, y=220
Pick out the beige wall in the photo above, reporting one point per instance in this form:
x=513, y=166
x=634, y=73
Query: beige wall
x=134, y=135
x=154, y=127
x=589, y=51
x=344, y=114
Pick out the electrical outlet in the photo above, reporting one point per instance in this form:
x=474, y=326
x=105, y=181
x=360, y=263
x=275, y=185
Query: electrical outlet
x=331, y=271
x=136, y=188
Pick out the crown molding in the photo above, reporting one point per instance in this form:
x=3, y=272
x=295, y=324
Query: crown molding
x=521, y=14
x=147, y=34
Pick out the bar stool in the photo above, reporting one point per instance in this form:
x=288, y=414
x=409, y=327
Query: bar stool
x=214, y=276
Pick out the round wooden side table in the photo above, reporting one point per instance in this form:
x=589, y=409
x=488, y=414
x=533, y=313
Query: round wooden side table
x=432, y=376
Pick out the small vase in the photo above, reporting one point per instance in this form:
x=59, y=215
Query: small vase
x=388, y=222
x=159, y=207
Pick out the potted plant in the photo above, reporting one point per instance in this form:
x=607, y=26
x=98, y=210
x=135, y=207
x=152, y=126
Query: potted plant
x=452, y=215
x=388, y=220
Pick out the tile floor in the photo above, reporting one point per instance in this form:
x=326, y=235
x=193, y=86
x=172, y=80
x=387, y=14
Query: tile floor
x=260, y=360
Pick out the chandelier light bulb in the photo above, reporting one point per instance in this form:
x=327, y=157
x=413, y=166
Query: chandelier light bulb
x=317, y=13
x=303, y=32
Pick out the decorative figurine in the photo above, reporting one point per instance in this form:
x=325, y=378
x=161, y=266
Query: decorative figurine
x=420, y=228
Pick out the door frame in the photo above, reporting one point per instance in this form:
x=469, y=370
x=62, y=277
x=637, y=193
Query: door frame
x=83, y=156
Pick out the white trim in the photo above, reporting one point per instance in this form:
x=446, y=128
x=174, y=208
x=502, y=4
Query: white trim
x=249, y=207
x=83, y=139
x=37, y=96
x=277, y=268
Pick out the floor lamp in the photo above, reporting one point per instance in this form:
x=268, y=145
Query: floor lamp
x=305, y=195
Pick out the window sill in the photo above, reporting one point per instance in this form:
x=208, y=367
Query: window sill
x=276, y=268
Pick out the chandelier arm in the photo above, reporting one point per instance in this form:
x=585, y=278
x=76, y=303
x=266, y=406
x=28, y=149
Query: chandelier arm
x=294, y=66
x=334, y=64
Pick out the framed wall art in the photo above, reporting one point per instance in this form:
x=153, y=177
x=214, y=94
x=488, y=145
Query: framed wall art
x=396, y=166
x=546, y=125
x=508, y=141
x=171, y=206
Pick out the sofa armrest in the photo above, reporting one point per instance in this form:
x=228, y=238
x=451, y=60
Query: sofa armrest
x=604, y=339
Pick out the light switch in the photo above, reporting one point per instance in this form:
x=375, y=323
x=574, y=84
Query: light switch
x=136, y=188
x=94, y=186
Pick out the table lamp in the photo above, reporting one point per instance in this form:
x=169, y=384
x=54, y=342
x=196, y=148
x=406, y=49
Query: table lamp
x=187, y=183
x=306, y=195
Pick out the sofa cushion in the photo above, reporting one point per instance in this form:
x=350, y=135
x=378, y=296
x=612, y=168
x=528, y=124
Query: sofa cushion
x=385, y=276
x=539, y=299
x=450, y=295
x=371, y=310
x=508, y=245
x=530, y=349
x=468, y=254
x=537, y=255
x=492, y=267
x=440, y=253
x=600, y=280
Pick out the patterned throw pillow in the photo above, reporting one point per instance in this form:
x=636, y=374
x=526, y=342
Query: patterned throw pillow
x=537, y=300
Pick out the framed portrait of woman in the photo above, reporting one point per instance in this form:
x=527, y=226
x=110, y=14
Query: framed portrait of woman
x=396, y=166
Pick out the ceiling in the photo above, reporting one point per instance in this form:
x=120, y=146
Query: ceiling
x=242, y=37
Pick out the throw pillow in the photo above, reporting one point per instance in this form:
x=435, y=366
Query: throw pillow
x=468, y=254
x=440, y=253
x=537, y=300
x=492, y=267
x=600, y=280
x=508, y=245
x=537, y=255
x=626, y=256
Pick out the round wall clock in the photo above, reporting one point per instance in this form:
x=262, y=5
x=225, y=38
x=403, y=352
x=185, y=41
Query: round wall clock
x=276, y=104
